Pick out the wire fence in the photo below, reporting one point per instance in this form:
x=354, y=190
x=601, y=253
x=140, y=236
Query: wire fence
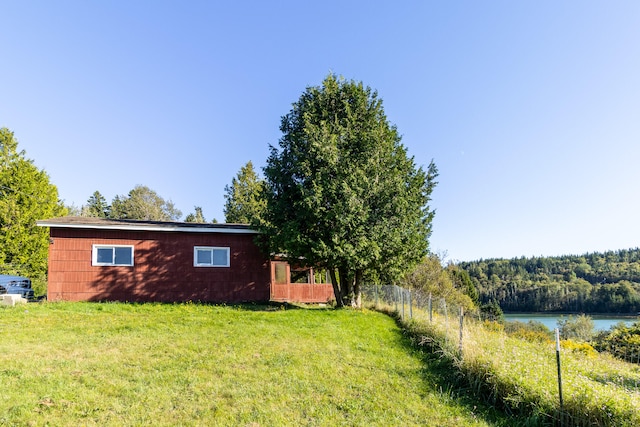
x=471, y=340
x=409, y=304
x=404, y=301
x=421, y=306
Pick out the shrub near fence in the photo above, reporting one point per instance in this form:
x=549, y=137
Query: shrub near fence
x=520, y=375
x=622, y=340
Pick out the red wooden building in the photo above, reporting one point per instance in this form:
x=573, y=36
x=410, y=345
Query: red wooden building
x=94, y=259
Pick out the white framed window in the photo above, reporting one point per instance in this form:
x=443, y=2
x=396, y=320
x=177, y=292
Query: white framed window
x=210, y=256
x=112, y=255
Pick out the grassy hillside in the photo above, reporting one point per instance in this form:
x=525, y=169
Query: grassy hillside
x=519, y=373
x=123, y=364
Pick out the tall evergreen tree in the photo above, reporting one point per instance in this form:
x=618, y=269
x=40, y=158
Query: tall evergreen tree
x=462, y=281
x=196, y=217
x=26, y=195
x=342, y=192
x=244, y=198
x=96, y=206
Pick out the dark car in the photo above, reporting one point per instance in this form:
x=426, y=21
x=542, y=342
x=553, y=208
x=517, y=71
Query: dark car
x=16, y=285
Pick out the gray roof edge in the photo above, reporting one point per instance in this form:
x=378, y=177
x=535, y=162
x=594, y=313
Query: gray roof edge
x=140, y=225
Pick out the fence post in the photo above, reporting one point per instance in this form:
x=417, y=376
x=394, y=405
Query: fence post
x=446, y=315
x=395, y=296
x=402, y=296
x=376, y=294
x=410, y=305
x=559, y=377
x=461, y=324
x=430, y=309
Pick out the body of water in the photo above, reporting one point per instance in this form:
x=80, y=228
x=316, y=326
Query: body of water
x=600, y=323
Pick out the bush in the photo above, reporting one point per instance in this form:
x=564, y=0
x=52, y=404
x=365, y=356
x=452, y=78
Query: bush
x=493, y=325
x=532, y=331
x=579, y=328
x=430, y=278
x=39, y=285
x=621, y=341
x=578, y=347
x=492, y=311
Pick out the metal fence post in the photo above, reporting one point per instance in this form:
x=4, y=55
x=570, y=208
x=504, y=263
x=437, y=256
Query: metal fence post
x=446, y=314
x=461, y=325
x=376, y=293
x=559, y=377
x=395, y=296
x=402, y=296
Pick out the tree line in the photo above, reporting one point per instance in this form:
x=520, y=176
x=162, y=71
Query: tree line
x=27, y=195
x=141, y=203
x=606, y=282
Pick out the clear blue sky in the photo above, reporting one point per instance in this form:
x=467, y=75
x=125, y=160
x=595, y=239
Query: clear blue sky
x=530, y=110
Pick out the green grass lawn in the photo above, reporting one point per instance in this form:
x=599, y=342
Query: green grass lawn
x=188, y=364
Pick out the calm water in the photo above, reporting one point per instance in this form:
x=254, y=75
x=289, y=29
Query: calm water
x=600, y=323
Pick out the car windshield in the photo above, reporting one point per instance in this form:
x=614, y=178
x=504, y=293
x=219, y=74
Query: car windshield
x=14, y=282
x=19, y=283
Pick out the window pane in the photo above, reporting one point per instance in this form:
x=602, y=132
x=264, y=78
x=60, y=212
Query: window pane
x=124, y=256
x=204, y=256
x=281, y=273
x=105, y=256
x=220, y=257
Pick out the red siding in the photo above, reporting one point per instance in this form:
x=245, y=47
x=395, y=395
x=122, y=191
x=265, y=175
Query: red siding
x=163, y=268
x=302, y=292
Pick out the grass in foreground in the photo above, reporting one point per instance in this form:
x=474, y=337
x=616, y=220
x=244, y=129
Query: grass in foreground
x=131, y=364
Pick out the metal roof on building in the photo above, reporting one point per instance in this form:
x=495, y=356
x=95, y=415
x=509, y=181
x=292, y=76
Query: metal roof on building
x=143, y=225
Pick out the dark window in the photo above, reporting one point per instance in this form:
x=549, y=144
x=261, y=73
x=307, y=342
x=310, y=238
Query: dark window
x=112, y=255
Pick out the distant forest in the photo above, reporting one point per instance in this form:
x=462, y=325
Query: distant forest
x=592, y=283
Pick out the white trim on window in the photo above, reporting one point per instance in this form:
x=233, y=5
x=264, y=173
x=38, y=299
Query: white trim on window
x=211, y=256
x=107, y=255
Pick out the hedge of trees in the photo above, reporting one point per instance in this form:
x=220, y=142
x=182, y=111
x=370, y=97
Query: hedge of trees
x=606, y=282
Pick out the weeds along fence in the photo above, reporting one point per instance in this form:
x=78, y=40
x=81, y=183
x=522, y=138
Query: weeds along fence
x=521, y=375
x=629, y=353
x=426, y=306
x=450, y=318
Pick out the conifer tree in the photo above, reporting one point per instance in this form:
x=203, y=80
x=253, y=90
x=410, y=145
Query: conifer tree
x=342, y=192
x=196, y=217
x=244, y=198
x=96, y=206
x=26, y=195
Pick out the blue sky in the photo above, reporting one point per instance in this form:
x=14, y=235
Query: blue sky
x=530, y=110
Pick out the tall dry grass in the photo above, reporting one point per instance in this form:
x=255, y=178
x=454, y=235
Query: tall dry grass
x=521, y=376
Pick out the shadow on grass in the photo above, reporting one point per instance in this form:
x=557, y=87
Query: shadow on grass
x=248, y=306
x=439, y=373
x=263, y=306
x=271, y=306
